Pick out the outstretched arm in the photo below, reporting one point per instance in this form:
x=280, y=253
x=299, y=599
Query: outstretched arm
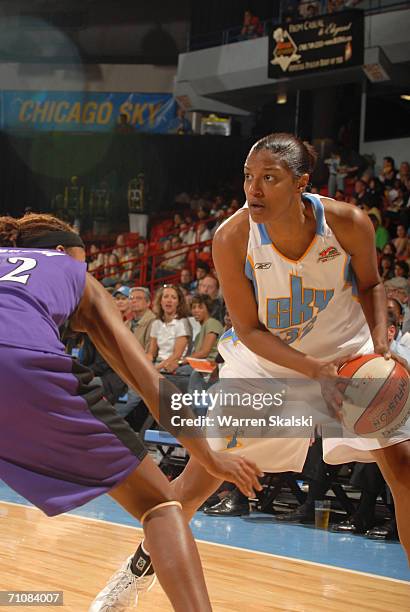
x=98, y=316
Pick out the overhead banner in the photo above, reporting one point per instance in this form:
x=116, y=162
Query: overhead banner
x=323, y=43
x=87, y=111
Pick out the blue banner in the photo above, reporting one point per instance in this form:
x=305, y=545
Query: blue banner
x=87, y=111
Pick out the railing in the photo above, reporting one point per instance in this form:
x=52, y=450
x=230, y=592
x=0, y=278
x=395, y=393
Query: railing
x=320, y=7
x=143, y=271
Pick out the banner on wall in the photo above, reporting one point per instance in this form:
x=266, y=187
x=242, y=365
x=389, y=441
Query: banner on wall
x=87, y=111
x=326, y=42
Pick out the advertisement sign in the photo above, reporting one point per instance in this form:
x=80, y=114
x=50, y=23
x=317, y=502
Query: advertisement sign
x=322, y=43
x=87, y=111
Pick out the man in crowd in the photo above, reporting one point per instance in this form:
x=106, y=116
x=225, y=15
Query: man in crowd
x=209, y=285
x=142, y=316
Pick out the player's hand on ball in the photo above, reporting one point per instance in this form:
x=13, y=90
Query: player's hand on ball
x=242, y=472
x=389, y=355
x=333, y=385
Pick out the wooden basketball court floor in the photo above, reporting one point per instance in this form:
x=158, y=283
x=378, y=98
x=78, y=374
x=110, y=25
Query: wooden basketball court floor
x=77, y=554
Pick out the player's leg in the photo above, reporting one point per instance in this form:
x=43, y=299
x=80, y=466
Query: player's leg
x=167, y=536
x=193, y=487
x=394, y=463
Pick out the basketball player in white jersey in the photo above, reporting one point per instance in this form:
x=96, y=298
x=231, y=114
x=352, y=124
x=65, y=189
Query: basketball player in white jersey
x=299, y=276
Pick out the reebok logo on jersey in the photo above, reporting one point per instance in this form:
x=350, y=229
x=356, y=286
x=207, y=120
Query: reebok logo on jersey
x=263, y=266
x=328, y=254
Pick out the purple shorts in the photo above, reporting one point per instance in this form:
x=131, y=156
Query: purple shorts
x=61, y=441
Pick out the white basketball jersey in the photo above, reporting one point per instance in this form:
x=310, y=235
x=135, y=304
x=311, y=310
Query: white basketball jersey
x=310, y=303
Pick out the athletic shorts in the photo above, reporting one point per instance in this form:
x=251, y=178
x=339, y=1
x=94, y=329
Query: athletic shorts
x=61, y=442
x=284, y=451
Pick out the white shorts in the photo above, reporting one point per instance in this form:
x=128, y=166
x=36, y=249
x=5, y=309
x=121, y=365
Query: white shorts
x=285, y=452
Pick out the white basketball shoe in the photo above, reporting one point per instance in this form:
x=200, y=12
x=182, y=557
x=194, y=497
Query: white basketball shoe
x=122, y=590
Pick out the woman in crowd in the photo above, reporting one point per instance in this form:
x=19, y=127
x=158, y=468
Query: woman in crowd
x=401, y=242
x=171, y=332
x=386, y=267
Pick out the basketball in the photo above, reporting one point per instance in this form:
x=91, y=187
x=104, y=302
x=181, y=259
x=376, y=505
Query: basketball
x=379, y=404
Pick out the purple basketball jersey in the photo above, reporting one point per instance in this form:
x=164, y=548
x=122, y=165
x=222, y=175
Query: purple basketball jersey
x=39, y=290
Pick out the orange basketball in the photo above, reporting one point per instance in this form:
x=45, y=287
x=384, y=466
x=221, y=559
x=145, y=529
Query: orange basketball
x=379, y=403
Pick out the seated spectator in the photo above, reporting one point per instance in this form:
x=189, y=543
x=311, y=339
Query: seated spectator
x=382, y=235
x=121, y=296
x=252, y=27
x=171, y=332
x=142, y=316
x=404, y=173
x=398, y=289
x=185, y=280
x=95, y=261
x=401, y=269
x=177, y=220
x=112, y=271
x=399, y=343
x=203, y=234
x=389, y=249
x=220, y=216
x=202, y=269
x=205, y=344
x=127, y=262
x=401, y=243
x=209, y=286
x=177, y=261
x=360, y=192
x=187, y=234
x=388, y=173
x=120, y=246
x=386, y=267
x=374, y=193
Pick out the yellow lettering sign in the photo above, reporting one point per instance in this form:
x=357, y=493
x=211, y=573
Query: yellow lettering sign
x=25, y=108
x=59, y=117
x=104, y=113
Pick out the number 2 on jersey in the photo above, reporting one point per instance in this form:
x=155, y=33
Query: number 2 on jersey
x=16, y=275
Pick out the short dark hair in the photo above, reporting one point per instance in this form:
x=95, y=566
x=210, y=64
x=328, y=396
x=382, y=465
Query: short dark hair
x=203, y=299
x=404, y=266
x=390, y=160
x=203, y=265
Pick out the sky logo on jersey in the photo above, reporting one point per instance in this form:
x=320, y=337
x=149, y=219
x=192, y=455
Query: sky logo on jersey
x=328, y=254
x=263, y=266
x=295, y=316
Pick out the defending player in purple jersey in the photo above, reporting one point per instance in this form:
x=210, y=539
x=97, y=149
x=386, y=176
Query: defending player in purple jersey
x=61, y=442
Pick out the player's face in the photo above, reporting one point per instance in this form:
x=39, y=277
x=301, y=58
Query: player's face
x=269, y=186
